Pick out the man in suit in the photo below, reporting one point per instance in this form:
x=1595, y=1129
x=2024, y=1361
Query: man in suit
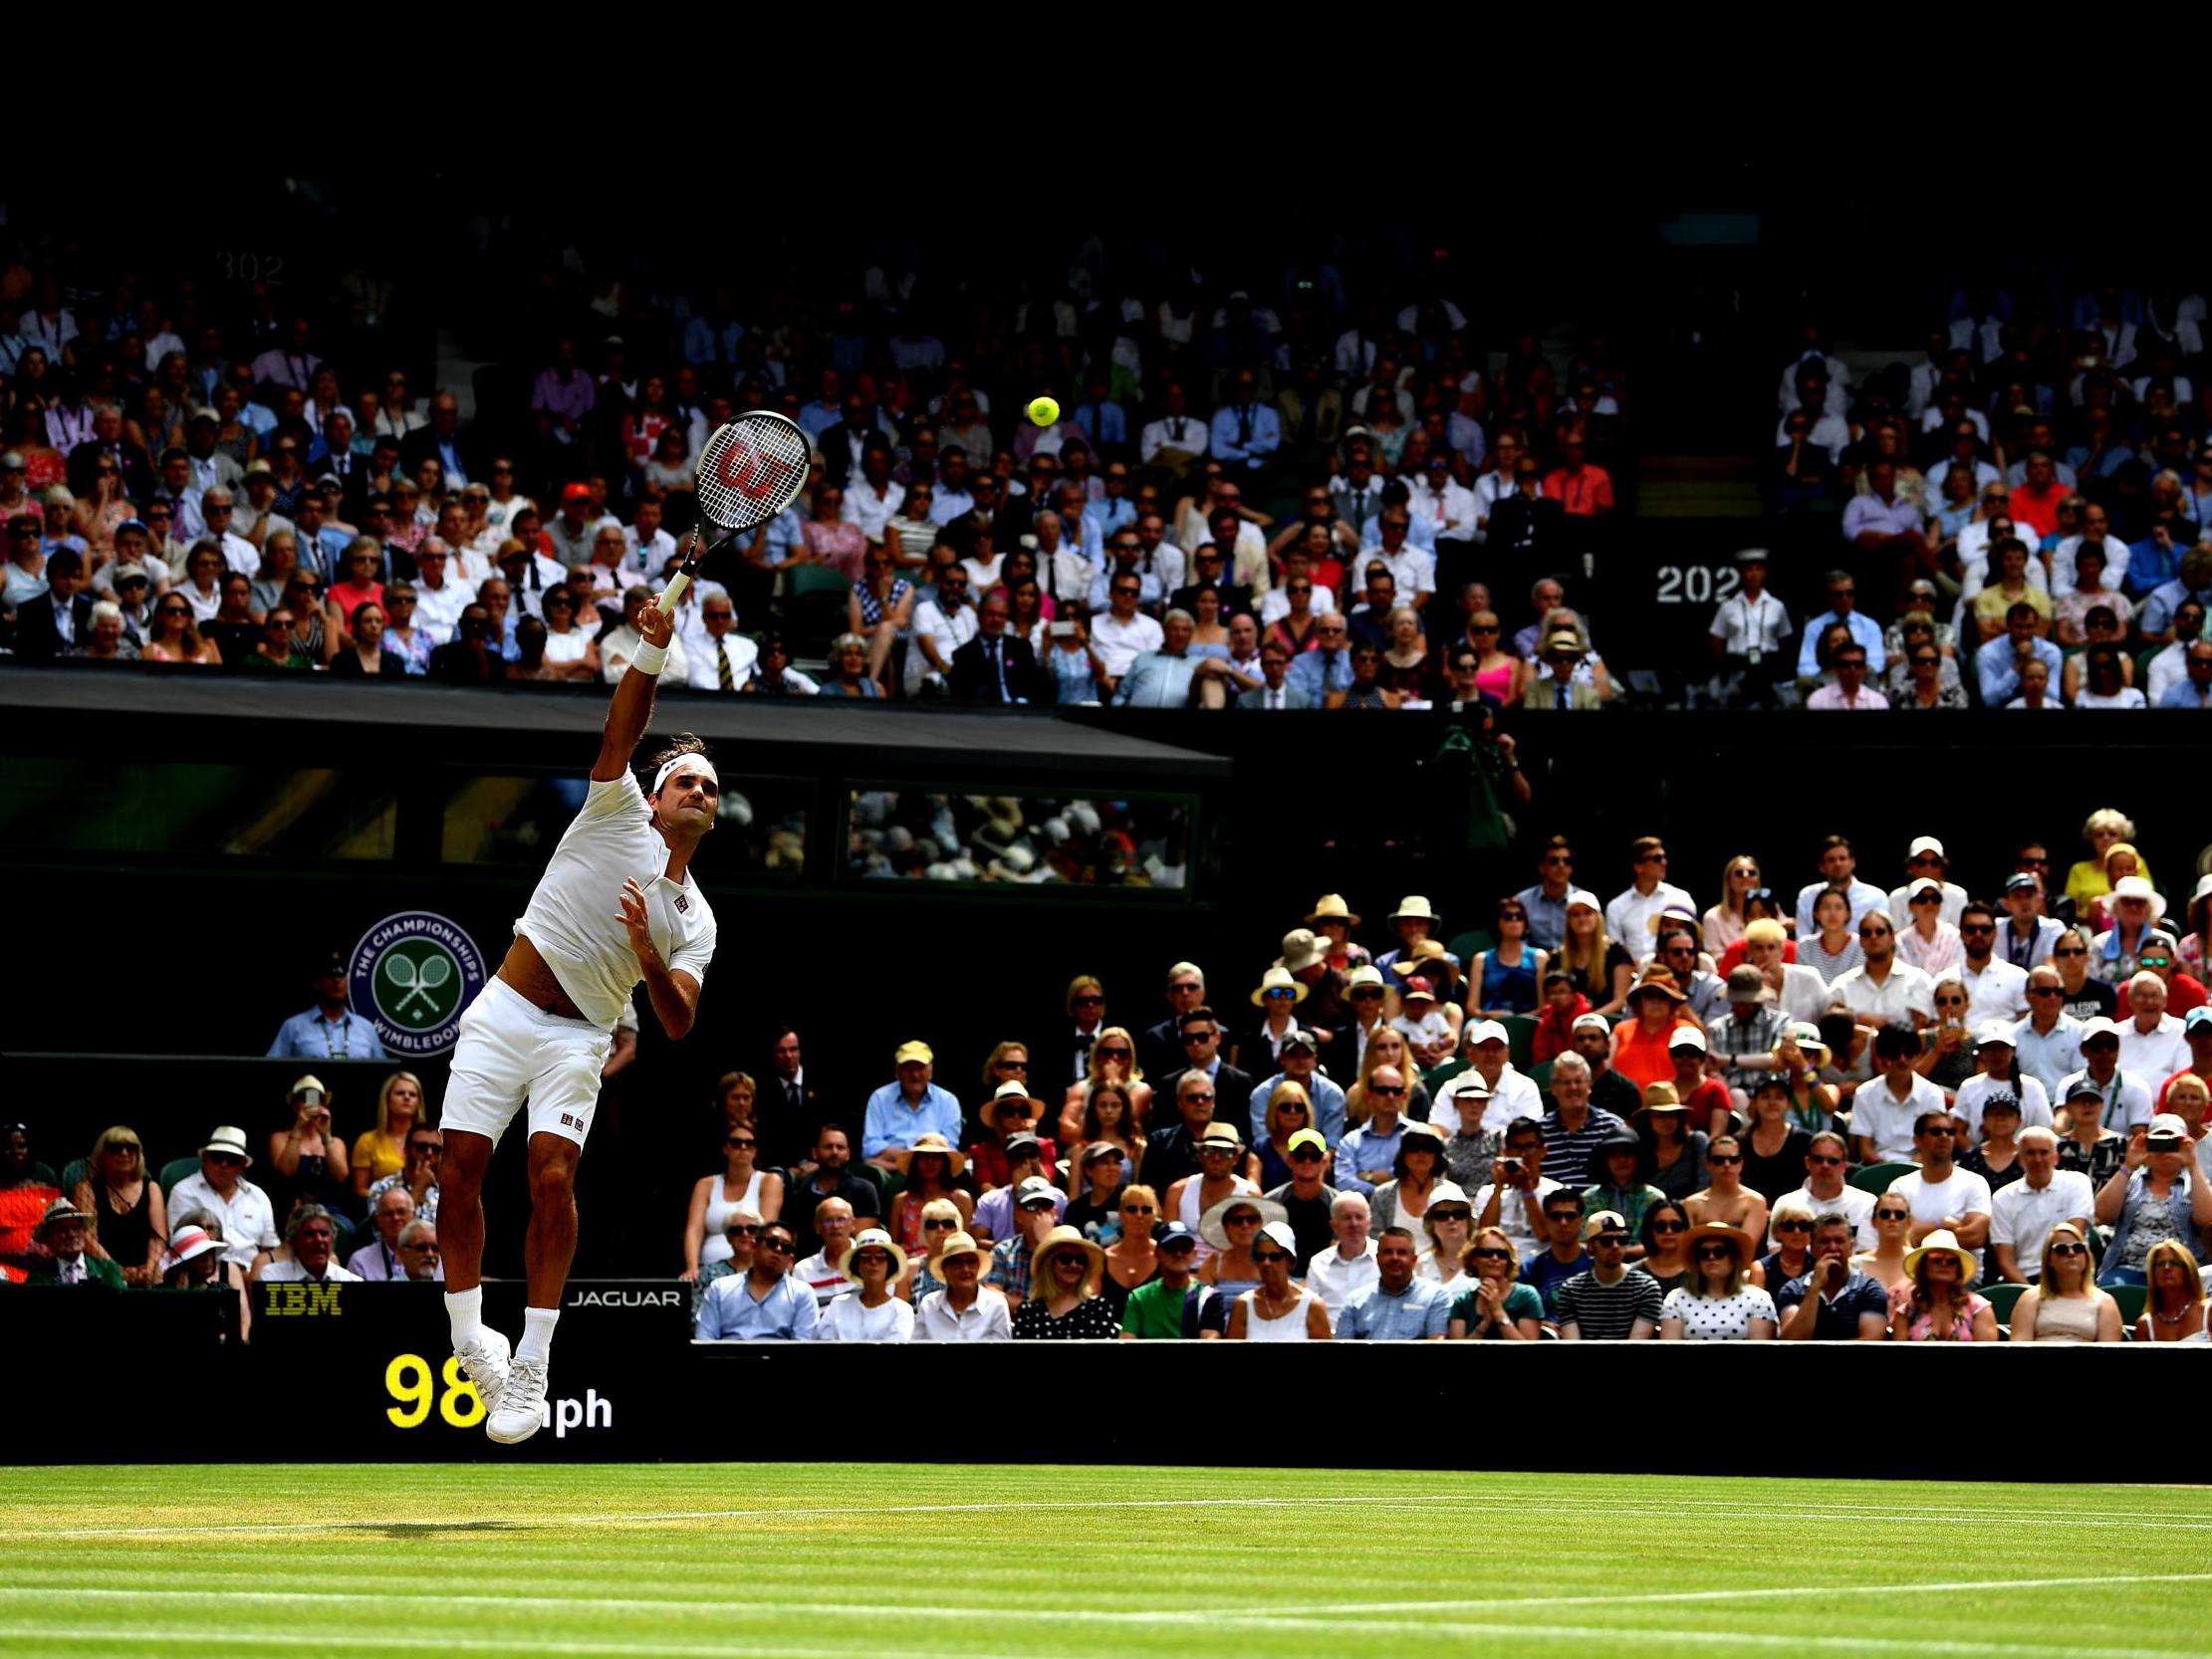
x=1209, y=569
x=789, y=1109
x=60, y=618
x=64, y=1230
x=841, y=445
x=441, y=438
x=107, y=443
x=1274, y=691
x=1200, y=1041
x=995, y=666
x=1160, y=1048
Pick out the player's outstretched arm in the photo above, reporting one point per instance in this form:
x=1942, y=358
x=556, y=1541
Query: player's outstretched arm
x=633, y=708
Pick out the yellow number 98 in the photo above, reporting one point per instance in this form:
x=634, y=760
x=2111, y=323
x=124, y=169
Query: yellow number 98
x=408, y=1381
x=460, y=1404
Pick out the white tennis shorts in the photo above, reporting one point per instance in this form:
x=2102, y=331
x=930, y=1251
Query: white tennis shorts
x=511, y=1051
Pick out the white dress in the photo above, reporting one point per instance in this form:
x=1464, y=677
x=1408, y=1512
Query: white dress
x=566, y=647
x=1721, y=1319
x=1291, y=1327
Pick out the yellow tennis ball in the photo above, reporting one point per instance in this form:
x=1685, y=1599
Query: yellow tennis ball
x=1043, y=411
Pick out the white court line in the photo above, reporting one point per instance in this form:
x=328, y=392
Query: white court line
x=1633, y=1597
x=1711, y=1507
x=135, y=1634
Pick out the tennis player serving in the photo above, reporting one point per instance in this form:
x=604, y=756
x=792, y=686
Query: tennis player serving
x=615, y=905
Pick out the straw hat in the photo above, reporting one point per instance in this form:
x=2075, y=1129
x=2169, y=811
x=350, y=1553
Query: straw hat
x=1944, y=1242
x=2134, y=886
x=1301, y=950
x=960, y=1243
x=1066, y=1238
x=1010, y=1090
x=900, y=1156
x=1747, y=1248
x=1211, y=1226
x=57, y=1212
x=1656, y=982
x=1417, y=959
x=1414, y=908
x=873, y=1238
x=1332, y=908
x=1279, y=979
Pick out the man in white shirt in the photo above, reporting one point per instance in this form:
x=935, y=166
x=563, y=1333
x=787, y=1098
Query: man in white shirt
x=438, y=598
x=1121, y=633
x=1512, y=1200
x=1450, y=504
x=1838, y=870
x=2152, y=1045
x=1999, y=1079
x=2048, y=1043
x=1826, y=1189
x=1488, y=1053
x=1995, y=988
x=313, y=1238
x=1177, y=438
x=1886, y=1113
x=2126, y=1097
x=1925, y=861
x=1882, y=991
x=2022, y=1212
x=217, y=507
x=1342, y=1275
x=942, y=626
x=650, y=547
x=1942, y=1195
x=1751, y=627
x=221, y=1192
x=1630, y=912
x=721, y=659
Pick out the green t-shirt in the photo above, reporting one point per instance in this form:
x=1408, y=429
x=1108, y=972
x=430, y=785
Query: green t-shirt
x=1154, y=1312
x=1521, y=1302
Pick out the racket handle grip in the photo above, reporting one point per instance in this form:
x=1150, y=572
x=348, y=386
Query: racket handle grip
x=673, y=592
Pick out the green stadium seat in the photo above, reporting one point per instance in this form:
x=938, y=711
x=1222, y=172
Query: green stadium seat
x=2132, y=1299
x=1876, y=1178
x=801, y=580
x=2004, y=1297
x=1540, y=1075
x=42, y=1174
x=175, y=1170
x=1521, y=1038
x=2142, y=667
x=1467, y=945
x=74, y=1174
x=1437, y=1076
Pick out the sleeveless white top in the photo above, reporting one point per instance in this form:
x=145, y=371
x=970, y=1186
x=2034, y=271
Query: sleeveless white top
x=1190, y=1209
x=716, y=1246
x=1291, y=1327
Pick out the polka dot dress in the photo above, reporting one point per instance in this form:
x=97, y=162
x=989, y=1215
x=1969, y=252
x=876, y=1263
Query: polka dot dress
x=1707, y=1319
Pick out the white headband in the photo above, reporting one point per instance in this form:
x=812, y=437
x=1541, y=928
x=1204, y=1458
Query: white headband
x=697, y=763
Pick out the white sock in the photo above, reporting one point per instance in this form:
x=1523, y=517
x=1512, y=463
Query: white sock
x=537, y=1334
x=466, y=1309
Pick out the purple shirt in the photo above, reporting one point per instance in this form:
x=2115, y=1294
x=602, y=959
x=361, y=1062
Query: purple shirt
x=570, y=399
x=1883, y=518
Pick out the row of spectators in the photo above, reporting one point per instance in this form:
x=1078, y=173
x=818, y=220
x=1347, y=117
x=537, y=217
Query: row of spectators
x=1958, y=1084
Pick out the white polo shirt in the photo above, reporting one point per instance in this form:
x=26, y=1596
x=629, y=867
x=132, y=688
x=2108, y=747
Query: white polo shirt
x=1998, y=992
x=2159, y=1053
x=2022, y=1216
x=1962, y=1193
x=1855, y=1205
x=1877, y=1115
x=985, y=1319
x=575, y=914
x=289, y=1271
x=1743, y=624
x=2026, y=1092
x=1906, y=992
x=2127, y=1098
x=1516, y=1095
x=249, y=1219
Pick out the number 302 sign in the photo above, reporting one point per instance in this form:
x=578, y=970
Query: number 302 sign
x=1696, y=583
x=407, y=1379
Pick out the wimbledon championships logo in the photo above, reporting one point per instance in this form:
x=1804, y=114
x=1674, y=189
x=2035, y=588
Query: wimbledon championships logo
x=414, y=974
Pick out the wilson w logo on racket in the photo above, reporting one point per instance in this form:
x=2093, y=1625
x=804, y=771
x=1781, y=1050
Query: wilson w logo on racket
x=752, y=473
x=750, y=470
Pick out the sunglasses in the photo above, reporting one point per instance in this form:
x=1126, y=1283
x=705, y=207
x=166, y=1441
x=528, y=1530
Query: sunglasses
x=1385, y=1089
x=779, y=1245
x=1716, y=1253
x=2069, y=1250
x=740, y=1140
x=940, y=1226
x=1793, y=1227
x=1114, y=1054
x=1264, y=1256
x=1724, y=1157
x=1305, y=1155
x=1139, y=1210
x=1892, y=1215
x=749, y=1230
x=1811, y=1157
x=1491, y=1253
x=1089, y=1000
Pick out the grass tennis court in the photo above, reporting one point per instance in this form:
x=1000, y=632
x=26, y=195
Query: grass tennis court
x=1034, y=1563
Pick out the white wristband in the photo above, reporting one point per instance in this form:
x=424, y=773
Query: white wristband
x=651, y=658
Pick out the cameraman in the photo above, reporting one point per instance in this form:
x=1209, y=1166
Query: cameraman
x=1828, y=1301
x=1513, y=1198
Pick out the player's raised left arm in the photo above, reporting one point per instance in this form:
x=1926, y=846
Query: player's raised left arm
x=675, y=994
x=633, y=708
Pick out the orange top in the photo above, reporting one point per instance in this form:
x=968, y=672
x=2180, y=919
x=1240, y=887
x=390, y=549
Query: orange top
x=1642, y=1058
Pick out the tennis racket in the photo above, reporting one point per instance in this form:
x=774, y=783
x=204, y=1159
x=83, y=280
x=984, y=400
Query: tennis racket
x=751, y=470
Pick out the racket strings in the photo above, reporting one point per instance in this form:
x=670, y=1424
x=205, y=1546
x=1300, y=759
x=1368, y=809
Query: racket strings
x=751, y=470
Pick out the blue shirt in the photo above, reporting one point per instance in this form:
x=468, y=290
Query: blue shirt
x=1102, y=423
x=1149, y=594
x=1863, y=896
x=1107, y=515
x=1865, y=629
x=814, y=420
x=730, y=1313
x=1547, y=917
x=1313, y=673
x=786, y=533
x=2149, y=565
x=1227, y=429
x=310, y=1036
x=1418, y=1312
x=1328, y=1108
x=1993, y=666
x=1364, y=1148
x=1546, y=1273
x=2183, y=694
x=891, y=1121
x=1156, y=680
x=2163, y=601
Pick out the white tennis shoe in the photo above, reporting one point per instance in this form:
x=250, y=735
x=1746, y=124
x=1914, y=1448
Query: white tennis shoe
x=485, y=1361
x=518, y=1415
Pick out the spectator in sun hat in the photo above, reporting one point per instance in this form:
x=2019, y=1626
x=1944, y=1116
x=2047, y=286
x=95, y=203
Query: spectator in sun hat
x=1064, y=1301
x=900, y=1113
x=1426, y=1025
x=62, y=1235
x=2136, y=908
x=1934, y=1304
x=1010, y=1111
x=1306, y=960
x=1998, y=1078
x=2127, y=1101
x=870, y=1313
x=963, y=1311
x=1413, y=920
x=220, y=1190
x=1332, y=921
x=1606, y=1300
x=1488, y=1053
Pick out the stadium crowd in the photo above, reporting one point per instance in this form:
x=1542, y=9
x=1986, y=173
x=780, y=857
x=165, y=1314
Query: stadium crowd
x=1298, y=495
x=1827, y=1110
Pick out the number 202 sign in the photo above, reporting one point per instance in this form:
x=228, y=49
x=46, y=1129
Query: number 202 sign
x=1696, y=583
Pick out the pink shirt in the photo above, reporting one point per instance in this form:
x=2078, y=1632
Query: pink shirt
x=1833, y=697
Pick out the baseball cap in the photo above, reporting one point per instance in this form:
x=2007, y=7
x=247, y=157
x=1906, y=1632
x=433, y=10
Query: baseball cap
x=1486, y=1030
x=1279, y=1234
x=2198, y=1019
x=129, y=572
x=575, y=492
x=2167, y=1127
x=914, y=1050
x=1927, y=885
x=2097, y=1026
x=2084, y=1089
x=1924, y=843
x=1093, y=1153
x=1314, y=1140
x=1605, y=1221
x=2020, y=881
x=1300, y=1038
x=1686, y=1036
x=1033, y=1189
x=1995, y=1030
x=1173, y=1235
x=1593, y=1022
x=1418, y=987
x=1022, y=1141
